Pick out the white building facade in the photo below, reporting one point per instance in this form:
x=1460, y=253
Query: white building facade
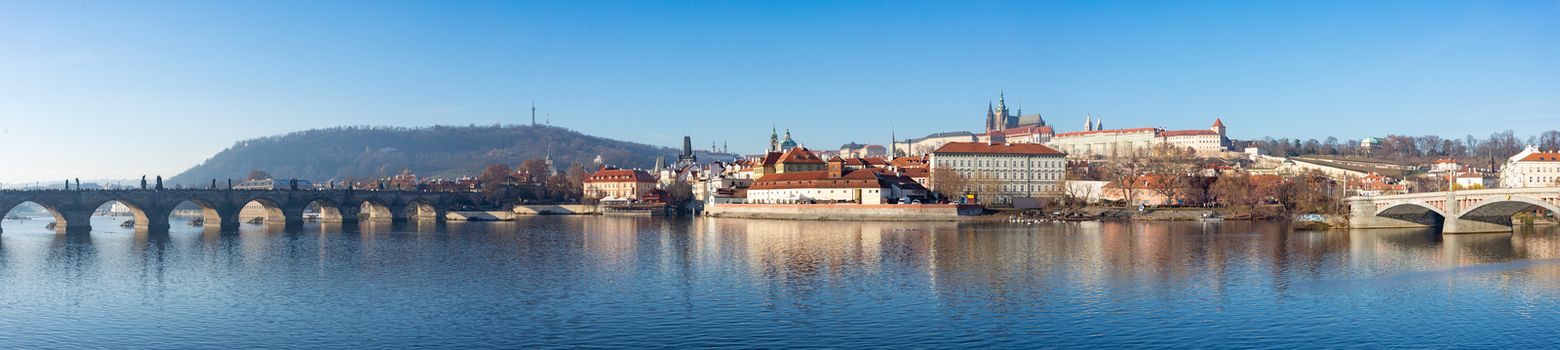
x=1106, y=143
x=1005, y=171
x=1531, y=168
x=1095, y=142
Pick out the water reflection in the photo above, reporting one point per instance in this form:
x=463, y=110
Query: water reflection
x=595, y=281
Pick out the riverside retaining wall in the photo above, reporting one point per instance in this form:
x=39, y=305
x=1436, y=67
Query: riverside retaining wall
x=884, y=212
x=492, y=215
x=559, y=209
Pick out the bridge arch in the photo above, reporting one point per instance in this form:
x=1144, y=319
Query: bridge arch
x=419, y=210
x=374, y=209
x=56, y=215
x=210, y=215
x=1414, y=212
x=1499, y=211
x=329, y=210
x=137, y=211
x=268, y=210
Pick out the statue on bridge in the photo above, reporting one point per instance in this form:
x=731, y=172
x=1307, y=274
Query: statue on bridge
x=159, y=183
x=143, y=182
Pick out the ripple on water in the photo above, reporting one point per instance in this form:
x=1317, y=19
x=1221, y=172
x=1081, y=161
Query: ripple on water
x=647, y=282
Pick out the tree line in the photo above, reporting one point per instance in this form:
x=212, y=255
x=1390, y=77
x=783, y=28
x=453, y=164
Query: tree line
x=1411, y=149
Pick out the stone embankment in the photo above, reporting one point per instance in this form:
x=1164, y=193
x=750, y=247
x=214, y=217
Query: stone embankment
x=886, y=212
x=523, y=210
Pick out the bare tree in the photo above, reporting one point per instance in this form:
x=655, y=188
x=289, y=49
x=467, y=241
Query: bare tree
x=498, y=183
x=1076, y=193
x=948, y=182
x=1124, y=177
x=1549, y=140
x=533, y=171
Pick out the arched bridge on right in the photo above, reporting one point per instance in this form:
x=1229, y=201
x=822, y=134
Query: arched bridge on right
x=1469, y=211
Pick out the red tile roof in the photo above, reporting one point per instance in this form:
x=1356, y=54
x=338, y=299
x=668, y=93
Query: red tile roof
x=1169, y=133
x=800, y=155
x=620, y=175
x=770, y=158
x=1006, y=148
x=1217, y=122
x=1542, y=157
x=817, y=179
x=1111, y=131
x=909, y=162
x=865, y=162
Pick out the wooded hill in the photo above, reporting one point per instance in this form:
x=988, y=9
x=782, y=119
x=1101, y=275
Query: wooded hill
x=365, y=152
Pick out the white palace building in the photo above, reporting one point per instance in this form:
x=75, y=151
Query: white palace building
x=1096, y=141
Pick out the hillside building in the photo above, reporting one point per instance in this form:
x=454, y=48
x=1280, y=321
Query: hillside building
x=1095, y=141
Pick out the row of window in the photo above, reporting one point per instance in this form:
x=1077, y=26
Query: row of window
x=965, y=163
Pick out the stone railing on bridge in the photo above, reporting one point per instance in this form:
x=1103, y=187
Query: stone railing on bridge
x=1467, y=211
x=72, y=210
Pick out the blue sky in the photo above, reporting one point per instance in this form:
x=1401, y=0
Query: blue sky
x=120, y=89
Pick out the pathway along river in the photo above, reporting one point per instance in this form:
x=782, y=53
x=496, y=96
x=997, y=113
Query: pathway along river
x=649, y=282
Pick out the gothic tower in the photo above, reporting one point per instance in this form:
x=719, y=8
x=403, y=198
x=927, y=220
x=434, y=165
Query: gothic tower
x=1002, y=111
x=991, y=117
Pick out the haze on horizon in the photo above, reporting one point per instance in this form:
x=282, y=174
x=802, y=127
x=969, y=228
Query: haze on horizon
x=116, y=90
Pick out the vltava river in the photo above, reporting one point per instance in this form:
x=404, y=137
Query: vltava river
x=646, y=282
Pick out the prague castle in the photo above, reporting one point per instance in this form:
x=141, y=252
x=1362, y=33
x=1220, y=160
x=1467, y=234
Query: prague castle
x=998, y=118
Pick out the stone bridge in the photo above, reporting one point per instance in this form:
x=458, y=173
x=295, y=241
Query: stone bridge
x=1469, y=211
x=152, y=208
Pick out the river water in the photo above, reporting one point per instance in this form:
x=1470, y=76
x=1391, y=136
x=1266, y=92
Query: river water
x=650, y=282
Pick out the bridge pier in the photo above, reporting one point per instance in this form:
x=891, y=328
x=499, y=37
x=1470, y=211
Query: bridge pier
x=292, y=216
x=1477, y=225
x=154, y=223
x=76, y=220
x=348, y=215
x=1363, y=215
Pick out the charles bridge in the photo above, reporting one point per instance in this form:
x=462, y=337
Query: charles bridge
x=151, y=208
x=1466, y=211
